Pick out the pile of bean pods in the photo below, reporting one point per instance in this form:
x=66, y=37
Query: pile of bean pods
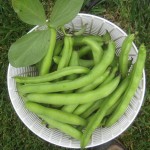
x=87, y=87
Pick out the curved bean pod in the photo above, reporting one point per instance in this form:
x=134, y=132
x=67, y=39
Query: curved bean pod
x=81, y=108
x=66, y=52
x=65, y=128
x=46, y=62
x=55, y=114
x=75, y=98
x=54, y=75
x=94, y=46
x=100, y=114
x=135, y=78
x=96, y=71
x=124, y=54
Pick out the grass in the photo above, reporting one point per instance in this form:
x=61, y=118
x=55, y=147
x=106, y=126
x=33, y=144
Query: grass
x=131, y=15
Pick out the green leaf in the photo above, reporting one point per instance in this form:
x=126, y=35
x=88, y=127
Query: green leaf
x=30, y=11
x=64, y=11
x=29, y=49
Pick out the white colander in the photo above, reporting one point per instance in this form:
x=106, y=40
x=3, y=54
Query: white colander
x=95, y=25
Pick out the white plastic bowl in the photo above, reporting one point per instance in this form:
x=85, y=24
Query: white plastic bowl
x=96, y=25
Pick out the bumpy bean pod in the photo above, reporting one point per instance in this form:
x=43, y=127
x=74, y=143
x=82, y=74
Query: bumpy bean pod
x=46, y=62
x=135, y=78
x=75, y=98
x=100, y=114
x=52, y=76
x=65, y=128
x=96, y=71
x=94, y=46
x=66, y=52
x=55, y=114
x=124, y=54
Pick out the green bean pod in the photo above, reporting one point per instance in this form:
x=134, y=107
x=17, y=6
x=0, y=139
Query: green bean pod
x=100, y=114
x=75, y=98
x=65, y=128
x=52, y=76
x=83, y=107
x=96, y=48
x=96, y=71
x=55, y=114
x=58, y=47
x=46, y=62
x=124, y=54
x=136, y=75
x=66, y=52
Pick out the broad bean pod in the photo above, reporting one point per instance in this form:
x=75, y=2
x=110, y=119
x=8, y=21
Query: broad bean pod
x=66, y=52
x=100, y=114
x=96, y=71
x=55, y=114
x=135, y=77
x=124, y=54
x=52, y=76
x=65, y=128
x=95, y=47
x=75, y=98
x=46, y=62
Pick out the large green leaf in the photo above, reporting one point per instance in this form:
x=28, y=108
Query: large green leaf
x=29, y=49
x=64, y=11
x=30, y=11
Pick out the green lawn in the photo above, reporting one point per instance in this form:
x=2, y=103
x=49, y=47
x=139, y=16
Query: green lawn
x=130, y=15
